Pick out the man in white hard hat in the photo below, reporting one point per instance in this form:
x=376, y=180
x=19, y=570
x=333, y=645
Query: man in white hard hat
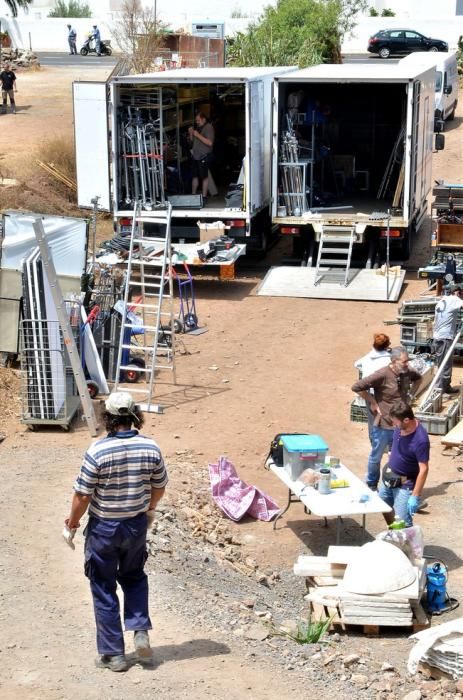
x=121, y=480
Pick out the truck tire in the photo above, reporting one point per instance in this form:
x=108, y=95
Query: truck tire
x=384, y=52
x=84, y=51
x=451, y=116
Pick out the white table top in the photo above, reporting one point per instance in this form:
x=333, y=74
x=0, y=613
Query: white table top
x=342, y=501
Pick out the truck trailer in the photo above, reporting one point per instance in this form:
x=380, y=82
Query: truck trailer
x=351, y=168
x=132, y=146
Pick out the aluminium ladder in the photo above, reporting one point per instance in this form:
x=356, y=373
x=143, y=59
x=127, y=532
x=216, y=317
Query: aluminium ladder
x=149, y=273
x=339, y=241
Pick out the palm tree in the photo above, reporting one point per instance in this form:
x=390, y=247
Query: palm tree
x=14, y=4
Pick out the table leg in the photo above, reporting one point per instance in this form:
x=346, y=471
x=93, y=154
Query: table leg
x=364, y=521
x=338, y=529
x=282, y=512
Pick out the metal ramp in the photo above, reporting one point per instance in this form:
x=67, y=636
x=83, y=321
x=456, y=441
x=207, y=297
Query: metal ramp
x=149, y=295
x=339, y=241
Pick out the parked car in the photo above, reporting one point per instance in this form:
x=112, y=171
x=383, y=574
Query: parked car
x=387, y=42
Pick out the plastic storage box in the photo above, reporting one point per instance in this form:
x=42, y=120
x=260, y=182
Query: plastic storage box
x=301, y=452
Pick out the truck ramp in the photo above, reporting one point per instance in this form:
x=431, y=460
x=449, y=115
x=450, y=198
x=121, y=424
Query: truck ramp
x=362, y=285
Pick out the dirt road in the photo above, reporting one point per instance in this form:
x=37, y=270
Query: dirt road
x=266, y=365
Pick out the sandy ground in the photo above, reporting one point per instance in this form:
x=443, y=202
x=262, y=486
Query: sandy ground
x=282, y=365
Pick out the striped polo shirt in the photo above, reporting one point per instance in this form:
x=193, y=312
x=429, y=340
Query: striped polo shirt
x=118, y=472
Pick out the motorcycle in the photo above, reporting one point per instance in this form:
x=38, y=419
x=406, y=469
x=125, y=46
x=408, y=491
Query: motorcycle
x=89, y=46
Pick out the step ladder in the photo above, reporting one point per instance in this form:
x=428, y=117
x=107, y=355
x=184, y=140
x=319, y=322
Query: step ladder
x=339, y=241
x=149, y=280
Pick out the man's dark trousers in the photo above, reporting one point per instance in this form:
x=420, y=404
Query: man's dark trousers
x=115, y=552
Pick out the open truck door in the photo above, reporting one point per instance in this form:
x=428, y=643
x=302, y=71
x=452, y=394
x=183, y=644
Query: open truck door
x=255, y=127
x=91, y=144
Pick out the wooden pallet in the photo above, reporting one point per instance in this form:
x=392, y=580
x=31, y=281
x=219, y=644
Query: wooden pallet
x=318, y=611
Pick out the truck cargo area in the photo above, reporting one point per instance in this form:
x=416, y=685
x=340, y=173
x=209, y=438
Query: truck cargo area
x=154, y=159
x=343, y=137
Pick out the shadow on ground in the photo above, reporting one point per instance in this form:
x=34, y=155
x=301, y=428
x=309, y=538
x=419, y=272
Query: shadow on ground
x=192, y=649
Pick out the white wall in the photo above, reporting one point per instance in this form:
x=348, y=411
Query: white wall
x=437, y=28
x=51, y=34
x=416, y=8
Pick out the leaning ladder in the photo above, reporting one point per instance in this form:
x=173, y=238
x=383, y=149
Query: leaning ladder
x=149, y=272
x=343, y=239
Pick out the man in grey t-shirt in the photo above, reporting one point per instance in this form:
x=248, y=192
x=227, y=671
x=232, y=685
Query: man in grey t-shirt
x=446, y=319
x=202, y=142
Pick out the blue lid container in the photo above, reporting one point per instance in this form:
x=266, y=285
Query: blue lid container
x=301, y=452
x=304, y=443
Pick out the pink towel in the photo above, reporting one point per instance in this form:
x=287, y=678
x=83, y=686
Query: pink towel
x=236, y=498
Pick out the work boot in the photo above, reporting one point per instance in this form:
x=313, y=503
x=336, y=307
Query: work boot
x=115, y=663
x=141, y=641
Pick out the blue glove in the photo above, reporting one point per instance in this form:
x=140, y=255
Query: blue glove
x=413, y=504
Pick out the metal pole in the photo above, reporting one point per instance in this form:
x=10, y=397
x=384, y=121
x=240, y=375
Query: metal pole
x=94, y=201
x=388, y=231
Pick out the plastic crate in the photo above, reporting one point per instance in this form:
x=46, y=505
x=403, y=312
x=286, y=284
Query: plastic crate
x=358, y=411
x=301, y=452
x=435, y=423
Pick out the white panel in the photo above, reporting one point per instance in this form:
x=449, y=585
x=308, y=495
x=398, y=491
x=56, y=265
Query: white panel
x=91, y=141
x=256, y=144
x=66, y=236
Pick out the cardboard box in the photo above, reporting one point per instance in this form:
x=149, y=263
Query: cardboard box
x=209, y=231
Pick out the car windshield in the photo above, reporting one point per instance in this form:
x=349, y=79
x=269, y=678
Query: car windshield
x=438, y=80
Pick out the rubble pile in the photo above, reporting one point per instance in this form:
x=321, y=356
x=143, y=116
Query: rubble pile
x=193, y=522
x=19, y=58
x=9, y=396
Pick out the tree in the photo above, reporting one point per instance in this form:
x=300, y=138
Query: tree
x=296, y=32
x=13, y=5
x=73, y=9
x=139, y=34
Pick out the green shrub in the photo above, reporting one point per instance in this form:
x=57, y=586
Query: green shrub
x=71, y=9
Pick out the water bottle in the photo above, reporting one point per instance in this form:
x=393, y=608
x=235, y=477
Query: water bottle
x=436, y=579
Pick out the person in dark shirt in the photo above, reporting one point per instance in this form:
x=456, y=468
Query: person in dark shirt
x=405, y=474
x=390, y=384
x=8, y=80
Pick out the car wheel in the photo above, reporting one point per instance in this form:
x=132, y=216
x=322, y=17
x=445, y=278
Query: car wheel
x=384, y=52
x=451, y=116
x=433, y=48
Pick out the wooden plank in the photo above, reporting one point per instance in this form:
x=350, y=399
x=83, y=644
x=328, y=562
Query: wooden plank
x=373, y=607
x=420, y=618
x=367, y=615
x=405, y=594
x=384, y=605
x=325, y=580
x=454, y=437
x=379, y=621
x=317, y=566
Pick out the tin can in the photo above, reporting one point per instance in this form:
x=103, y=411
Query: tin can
x=324, y=481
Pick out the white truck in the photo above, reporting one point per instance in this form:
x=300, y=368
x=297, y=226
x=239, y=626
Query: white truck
x=352, y=147
x=132, y=145
x=446, y=86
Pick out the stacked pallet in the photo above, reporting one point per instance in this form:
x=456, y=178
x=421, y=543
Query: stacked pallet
x=329, y=597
